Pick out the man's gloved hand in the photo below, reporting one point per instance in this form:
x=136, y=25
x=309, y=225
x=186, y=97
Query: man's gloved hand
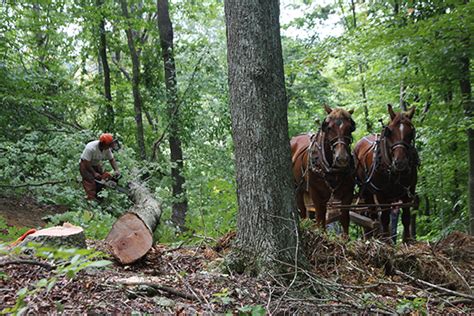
x=97, y=176
x=117, y=174
x=106, y=176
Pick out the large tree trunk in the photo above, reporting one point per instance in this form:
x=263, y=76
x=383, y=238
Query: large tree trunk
x=137, y=99
x=468, y=105
x=131, y=236
x=267, y=231
x=105, y=66
x=180, y=202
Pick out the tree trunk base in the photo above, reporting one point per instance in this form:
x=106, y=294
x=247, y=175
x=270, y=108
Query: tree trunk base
x=67, y=235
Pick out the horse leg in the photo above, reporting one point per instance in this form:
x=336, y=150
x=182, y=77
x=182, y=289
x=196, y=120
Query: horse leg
x=300, y=203
x=372, y=214
x=385, y=222
x=406, y=224
x=320, y=209
x=345, y=218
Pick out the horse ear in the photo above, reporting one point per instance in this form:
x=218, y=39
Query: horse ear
x=390, y=111
x=386, y=132
x=353, y=125
x=411, y=112
x=351, y=111
x=317, y=121
x=327, y=108
x=324, y=126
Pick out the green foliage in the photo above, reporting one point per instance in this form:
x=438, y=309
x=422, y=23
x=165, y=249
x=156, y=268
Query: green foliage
x=67, y=262
x=254, y=310
x=417, y=305
x=10, y=233
x=51, y=89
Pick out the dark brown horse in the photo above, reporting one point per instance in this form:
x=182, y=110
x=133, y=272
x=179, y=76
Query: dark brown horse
x=323, y=165
x=386, y=168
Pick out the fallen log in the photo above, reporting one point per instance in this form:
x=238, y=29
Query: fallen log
x=154, y=282
x=68, y=235
x=131, y=236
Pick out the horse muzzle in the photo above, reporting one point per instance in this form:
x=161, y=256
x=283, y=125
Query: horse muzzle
x=341, y=161
x=399, y=165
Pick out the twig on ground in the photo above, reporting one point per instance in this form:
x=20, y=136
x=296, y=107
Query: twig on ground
x=295, y=264
x=186, y=283
x=439, y=288
x=163, y=288
x=45, y=265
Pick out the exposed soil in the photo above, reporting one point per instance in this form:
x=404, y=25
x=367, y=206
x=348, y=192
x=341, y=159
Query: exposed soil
x=356, y=277
x=26, y=212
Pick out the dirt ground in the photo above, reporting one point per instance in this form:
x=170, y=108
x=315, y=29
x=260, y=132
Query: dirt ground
x=26, y=212
x=361, y=276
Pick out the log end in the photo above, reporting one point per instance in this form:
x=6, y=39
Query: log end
x=129, y=239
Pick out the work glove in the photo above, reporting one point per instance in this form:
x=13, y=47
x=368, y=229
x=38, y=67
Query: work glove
x=106, y=176
x=117, y=174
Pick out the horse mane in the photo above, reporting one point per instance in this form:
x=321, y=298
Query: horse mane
x=339, y=113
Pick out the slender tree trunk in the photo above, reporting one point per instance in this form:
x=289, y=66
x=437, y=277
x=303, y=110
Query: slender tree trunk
x=267, y=220
x=105, y=65
x=468, y=105
x=368, y=123
x=180, y=202
x=137, y=100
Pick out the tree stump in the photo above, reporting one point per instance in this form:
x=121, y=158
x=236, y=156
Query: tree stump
x=68, y=235
x=131, y=236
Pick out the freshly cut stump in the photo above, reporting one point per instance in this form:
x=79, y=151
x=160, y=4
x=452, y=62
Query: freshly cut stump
x=68, y=235
x=131, y=236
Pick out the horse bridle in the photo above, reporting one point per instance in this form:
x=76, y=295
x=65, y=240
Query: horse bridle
x=340, y=140
x=399, y=144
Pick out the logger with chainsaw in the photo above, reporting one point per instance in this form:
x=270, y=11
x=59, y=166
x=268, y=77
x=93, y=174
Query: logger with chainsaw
x=90, y=165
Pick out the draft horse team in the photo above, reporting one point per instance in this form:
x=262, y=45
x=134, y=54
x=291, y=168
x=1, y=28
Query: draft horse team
x=383, y=166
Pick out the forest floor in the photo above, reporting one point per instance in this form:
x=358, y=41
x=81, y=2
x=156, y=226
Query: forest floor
x=26, y=211
x=341, y=277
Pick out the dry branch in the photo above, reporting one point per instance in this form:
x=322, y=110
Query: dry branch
x=434, y=286
x=133, y=281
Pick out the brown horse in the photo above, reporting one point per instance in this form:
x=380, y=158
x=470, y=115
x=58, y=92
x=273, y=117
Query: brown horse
x=386, y=168
x=323, y=165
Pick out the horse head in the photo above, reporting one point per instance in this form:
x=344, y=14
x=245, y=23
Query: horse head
x=338, y=127
x=399, y=135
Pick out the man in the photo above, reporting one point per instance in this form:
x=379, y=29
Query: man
x=90, y=164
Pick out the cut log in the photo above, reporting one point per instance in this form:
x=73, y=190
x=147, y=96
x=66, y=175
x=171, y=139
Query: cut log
x=68, y=235
x=364, y=221
x=131, y=236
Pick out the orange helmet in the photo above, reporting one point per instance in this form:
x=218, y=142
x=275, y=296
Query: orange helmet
x=106, y=138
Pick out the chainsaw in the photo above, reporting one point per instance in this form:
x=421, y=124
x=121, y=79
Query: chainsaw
x=111, y=182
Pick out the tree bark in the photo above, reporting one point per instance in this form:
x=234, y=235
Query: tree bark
x=267, y=225
x=105, y=66
x=137, y=99
x=180, y=202
x=468, y=105
x=131, y=236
